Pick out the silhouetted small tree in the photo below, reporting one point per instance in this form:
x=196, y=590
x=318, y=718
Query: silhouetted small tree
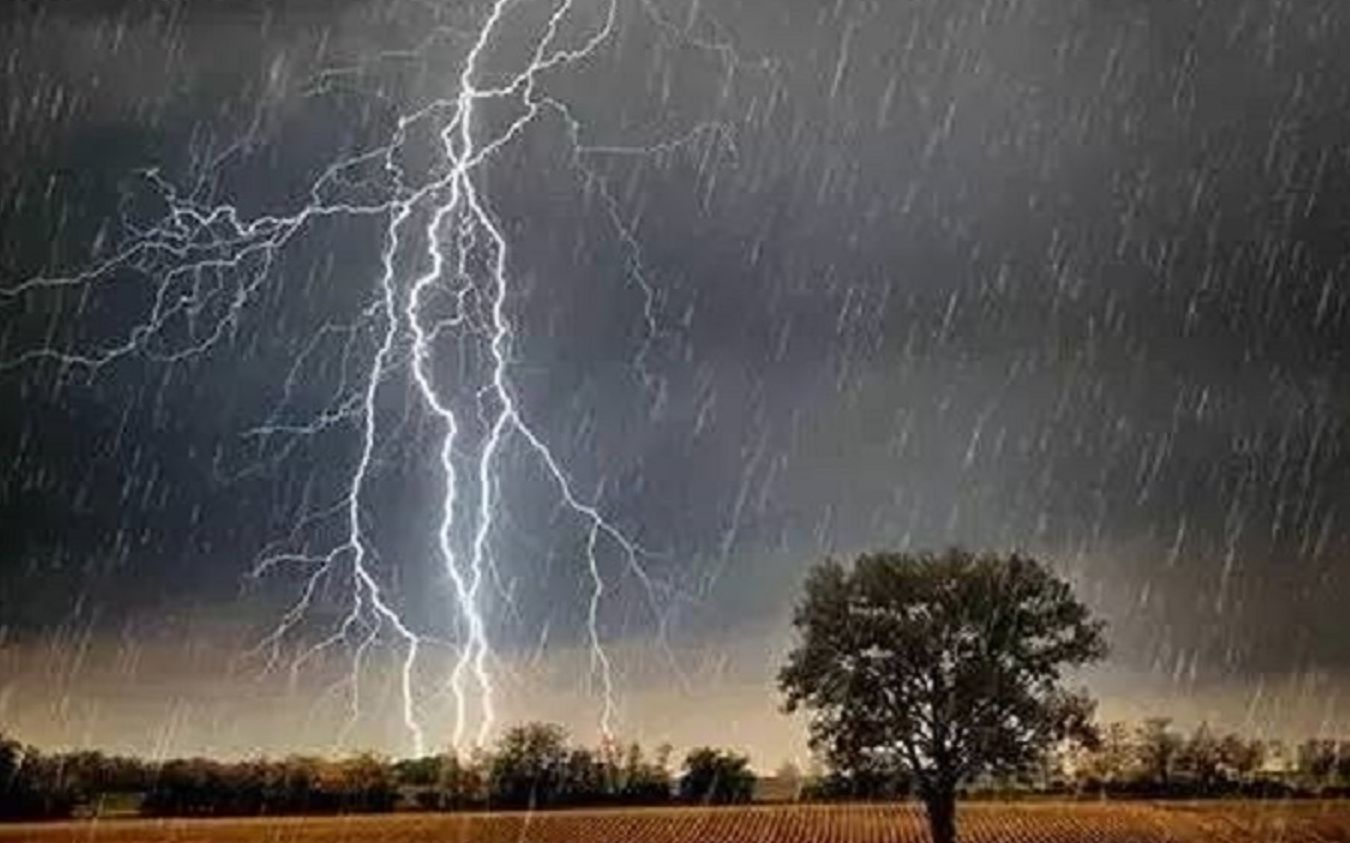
x=642, y=782
x=1343, y=764
x=463, y=781
x=31, y=784
x=419, y=772
x=1111, y=763
x=1158, y=748
x=1317, y=762
x=366, y=783
x=528, y=768
x=1240, y=759
x=716, y=777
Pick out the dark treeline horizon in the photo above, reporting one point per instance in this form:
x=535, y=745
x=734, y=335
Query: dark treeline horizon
x=532, y=766
x=536, y=767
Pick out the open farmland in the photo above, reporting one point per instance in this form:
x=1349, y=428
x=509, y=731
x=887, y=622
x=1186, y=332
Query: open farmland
x=1232, y=822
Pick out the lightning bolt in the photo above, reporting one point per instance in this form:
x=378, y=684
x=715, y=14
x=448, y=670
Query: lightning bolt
x=208, y=262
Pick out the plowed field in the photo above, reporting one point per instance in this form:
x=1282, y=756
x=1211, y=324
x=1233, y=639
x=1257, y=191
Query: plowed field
x=1230, y=822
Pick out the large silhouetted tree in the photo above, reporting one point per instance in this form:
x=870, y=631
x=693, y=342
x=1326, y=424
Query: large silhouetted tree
x=945, y=667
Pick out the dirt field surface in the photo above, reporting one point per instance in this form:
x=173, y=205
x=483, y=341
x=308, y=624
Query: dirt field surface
x=1232, y=822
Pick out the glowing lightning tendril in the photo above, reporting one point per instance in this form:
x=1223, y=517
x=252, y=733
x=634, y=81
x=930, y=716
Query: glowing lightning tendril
x=202, y=253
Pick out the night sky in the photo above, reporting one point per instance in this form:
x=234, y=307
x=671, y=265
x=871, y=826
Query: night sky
x=1064, y=276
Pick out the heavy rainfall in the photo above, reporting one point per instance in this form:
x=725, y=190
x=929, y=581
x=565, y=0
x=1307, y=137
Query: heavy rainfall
x=382, y=373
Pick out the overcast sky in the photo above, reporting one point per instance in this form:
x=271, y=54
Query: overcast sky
x=1068, y=277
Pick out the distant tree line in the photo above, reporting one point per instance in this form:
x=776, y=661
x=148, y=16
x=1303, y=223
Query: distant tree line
x=535, y=767
x=530, y=767
x=1154, y=759
x=1151, y=760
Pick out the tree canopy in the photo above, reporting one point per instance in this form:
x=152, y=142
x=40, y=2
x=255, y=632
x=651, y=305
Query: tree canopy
x=940, y=667
x=716, y=777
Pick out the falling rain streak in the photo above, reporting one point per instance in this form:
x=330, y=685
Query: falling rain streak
x=389, y=371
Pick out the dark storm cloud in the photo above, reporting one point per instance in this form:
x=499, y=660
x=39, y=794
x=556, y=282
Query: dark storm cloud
x=1067, y=276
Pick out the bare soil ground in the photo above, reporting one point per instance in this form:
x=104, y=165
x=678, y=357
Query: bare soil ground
x=1127, y=822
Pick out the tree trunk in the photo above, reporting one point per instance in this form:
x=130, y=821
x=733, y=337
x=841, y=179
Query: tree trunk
x=942, y=816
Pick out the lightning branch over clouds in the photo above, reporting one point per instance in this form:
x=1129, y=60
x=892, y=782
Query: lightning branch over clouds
x=207, y=262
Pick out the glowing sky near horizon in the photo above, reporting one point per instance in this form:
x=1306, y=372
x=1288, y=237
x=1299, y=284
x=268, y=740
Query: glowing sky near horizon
x=1068, y=277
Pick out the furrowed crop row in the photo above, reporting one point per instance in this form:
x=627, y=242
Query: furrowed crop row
x=980, y=823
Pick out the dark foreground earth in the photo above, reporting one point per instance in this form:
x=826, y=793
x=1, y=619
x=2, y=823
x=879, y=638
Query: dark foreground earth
x=1040, y=822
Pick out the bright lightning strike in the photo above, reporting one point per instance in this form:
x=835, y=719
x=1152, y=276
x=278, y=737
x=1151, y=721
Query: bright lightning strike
x=208, y=262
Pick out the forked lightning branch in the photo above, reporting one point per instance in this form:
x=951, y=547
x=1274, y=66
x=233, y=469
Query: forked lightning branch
x=443, y=223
